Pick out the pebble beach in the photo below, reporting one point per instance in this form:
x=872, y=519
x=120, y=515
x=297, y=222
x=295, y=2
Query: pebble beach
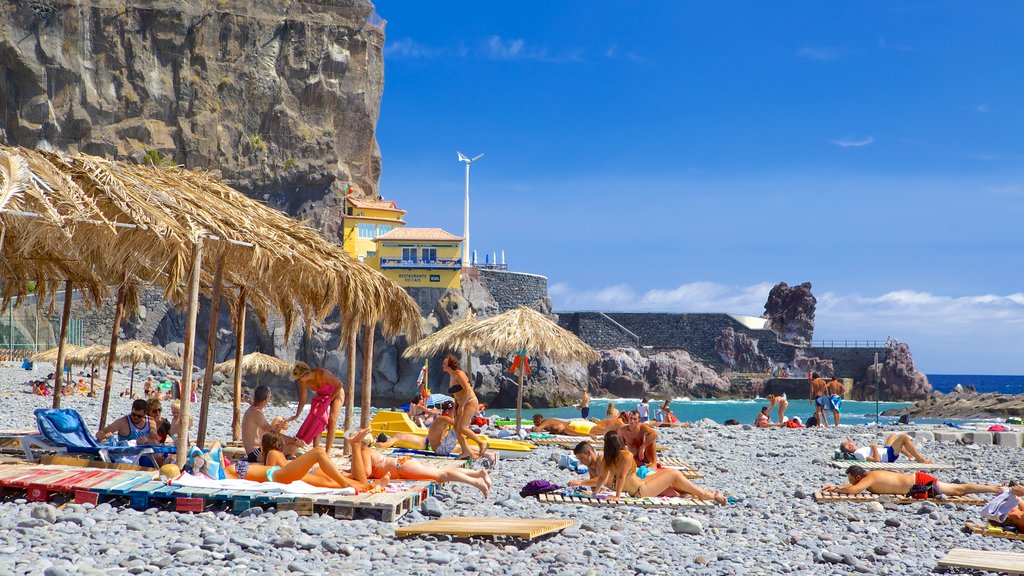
x=775, y=527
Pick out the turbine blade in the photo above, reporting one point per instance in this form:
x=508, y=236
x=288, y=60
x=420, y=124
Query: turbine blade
x=479, y=156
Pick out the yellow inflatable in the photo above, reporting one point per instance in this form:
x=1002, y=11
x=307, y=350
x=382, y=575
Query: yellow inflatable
x=581, y=426
x=389, y=422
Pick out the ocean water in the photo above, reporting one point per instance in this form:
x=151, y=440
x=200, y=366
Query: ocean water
x=746, y=410
x=982, y=382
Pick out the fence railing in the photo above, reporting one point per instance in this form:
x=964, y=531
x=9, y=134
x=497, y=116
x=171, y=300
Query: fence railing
x=848, y=344
x=429, y=264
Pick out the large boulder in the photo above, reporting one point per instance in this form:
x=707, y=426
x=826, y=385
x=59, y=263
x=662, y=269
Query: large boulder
x=790, y=312
x=897, y=377
x=739, y=352
x=627, y=373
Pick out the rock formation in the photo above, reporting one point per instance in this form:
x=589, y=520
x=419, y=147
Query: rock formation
x=739, y=352
x=897, y=377
x=280, y=99
x=626, y=373
x=964, y=404
x=790, y=312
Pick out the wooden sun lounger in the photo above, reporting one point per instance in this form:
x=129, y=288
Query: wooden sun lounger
x=864, y=497
x=655, y=502
x=987, y=529
x=524, y=529
x=909, y=465
x=1008, y=562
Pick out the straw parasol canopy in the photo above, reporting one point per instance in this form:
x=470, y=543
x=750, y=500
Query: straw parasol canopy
x=520, y=331
x=50, y=355
x=256, y=363
x=135, y=352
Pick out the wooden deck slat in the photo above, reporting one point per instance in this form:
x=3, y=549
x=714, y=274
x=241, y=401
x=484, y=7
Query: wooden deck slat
x=986, y=529
x=639, y=502
x=525, y=529
x=864, y=497
x=892, y=466
x=1009, y=562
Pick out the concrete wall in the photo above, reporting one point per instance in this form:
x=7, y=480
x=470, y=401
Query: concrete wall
x=512, y=289
x=849, y=362
x=598, y=330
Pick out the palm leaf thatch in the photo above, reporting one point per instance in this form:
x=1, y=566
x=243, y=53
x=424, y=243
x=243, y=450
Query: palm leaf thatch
x=256, y=363
x=50, y=355
x=134, y=352
x=506, y=334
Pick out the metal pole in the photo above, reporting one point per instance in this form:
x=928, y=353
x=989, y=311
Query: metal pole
x=876, y=388
x=467, y=253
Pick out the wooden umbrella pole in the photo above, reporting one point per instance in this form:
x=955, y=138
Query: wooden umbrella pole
x=364, y=410
x=65, y=319
x=211, y=349
x=108, y=382
x=190, y=337
x=236, y=410
x=519, y=397
x=350, y=383
x=131, y=383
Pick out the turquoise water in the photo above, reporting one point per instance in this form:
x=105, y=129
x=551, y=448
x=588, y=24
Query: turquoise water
x=721, y=410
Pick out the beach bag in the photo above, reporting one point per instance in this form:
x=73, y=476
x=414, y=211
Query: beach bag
x=998, y=508
x=793, y=424
x=997, y=428
x=568, y=462
x=538, y=487
x=922, y=491
x=732, y=422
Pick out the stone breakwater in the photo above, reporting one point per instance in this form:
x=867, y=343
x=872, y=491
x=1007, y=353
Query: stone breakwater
x=774, y=528
x=965, y=405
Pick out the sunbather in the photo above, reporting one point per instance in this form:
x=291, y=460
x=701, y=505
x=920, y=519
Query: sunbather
x=614, y=421
x=640, y=438
x=254, y=425
x=369, y=463
x=279, y=469
x=554, y=426
x=619, y=474
x=896, y=444
x=590, y=458
x=1015, y=517
x=137, y=425
x=916, y=484
x=440, y=438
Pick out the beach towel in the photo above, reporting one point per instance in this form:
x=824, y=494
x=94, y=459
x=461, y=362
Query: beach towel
x=538, y=487
x=998, y=507
x=297, y=487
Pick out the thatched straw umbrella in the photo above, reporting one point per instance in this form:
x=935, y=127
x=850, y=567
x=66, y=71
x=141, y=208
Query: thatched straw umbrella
x=521, y=331
x=135, y=352
x=254, y=363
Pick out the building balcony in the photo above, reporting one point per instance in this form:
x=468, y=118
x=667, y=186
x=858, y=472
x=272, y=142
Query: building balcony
x=396, y=263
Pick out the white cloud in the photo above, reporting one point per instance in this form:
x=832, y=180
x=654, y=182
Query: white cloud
x=977, y=334
x=853, y=142
x=407, y=48
x=819, y=53
x=498, y=48
x=505, y=49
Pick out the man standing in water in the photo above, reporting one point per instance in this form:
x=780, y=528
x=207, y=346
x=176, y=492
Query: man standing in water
x=819, y=397
x=836, y=390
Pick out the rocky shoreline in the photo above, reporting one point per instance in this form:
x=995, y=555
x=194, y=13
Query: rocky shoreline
x=774, y=528
x=964, y=404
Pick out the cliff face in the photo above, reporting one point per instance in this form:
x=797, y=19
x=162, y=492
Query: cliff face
x=790, y=312
x=279, y=98
x=898, y=378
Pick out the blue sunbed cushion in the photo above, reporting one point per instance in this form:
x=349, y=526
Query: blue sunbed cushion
x=63, y=421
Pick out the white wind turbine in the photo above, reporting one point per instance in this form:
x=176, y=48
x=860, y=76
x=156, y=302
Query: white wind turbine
x=466, y=254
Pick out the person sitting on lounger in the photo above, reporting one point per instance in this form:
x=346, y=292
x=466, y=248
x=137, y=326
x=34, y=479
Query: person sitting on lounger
x=554, y=426
x=917, y=484
x=440, y=438
x=369, y=463
x=137, y=425
x=896, y=444
x=619, y=474
x=640, y=438
x=279, y=469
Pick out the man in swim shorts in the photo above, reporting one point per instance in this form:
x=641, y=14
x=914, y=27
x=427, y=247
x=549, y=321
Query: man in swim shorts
x=896, y=445
x=819, y=397
x=836, y=391
x=554, y=426
x=918, y=484
x=254, y=424
x=640, y=439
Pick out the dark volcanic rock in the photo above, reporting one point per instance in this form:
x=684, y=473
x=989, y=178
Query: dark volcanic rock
x=739, y=352
x=790, y=312
x=964, y=405
x=898, y=378
x=625, y=372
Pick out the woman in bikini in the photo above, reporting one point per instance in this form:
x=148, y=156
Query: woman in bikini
x=620, y=475
x=277, y=468
x=782, y=402
x=368, y=463
x=323, y=408
x=466, y=404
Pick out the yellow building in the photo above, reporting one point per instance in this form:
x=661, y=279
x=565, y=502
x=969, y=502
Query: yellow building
x=365, y=220
x=420, y=257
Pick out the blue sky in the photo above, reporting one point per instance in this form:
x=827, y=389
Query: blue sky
x=686, y=156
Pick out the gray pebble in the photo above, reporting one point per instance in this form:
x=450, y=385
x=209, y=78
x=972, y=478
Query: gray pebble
x=45, y=512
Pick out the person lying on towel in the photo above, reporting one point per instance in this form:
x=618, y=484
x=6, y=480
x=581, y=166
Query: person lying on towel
x=440, y=438
x=916, y=485
x=554, y=426
x=896, y=445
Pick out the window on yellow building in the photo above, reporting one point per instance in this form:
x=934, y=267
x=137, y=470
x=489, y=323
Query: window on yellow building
x=384, y=229
x=429, y=254
x=367, y=231
x=408, y=254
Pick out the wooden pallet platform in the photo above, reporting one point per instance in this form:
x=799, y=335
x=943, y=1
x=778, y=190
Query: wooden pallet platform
x=524, y=529
x=908, y=466
x=986, y=529
x=658, y=502
x=862, y=498
x=988, y=561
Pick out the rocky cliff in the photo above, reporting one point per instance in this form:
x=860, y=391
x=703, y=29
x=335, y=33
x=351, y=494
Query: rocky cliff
x=626, y=373
x=790, y=312
x=964, y=404
x=739, y=352
x=898, y=378
x=280, y=99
